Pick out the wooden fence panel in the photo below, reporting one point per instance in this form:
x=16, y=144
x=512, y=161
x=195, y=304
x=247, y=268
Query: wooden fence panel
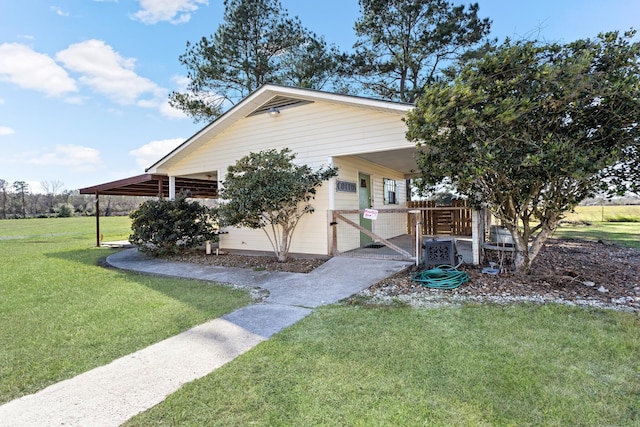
x=454, y=220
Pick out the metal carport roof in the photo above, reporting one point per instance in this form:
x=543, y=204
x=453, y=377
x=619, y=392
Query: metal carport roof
x=153, y=185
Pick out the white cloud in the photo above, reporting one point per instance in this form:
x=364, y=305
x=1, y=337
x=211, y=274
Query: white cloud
x=58, y=11
x=173, y=11
x=150, y=153
x=107, y=72
x=21, y=65
x=6, y=131
x=74, y=157
x=170, y=112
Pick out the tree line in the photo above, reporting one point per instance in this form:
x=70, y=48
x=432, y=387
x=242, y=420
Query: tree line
x=18, y=201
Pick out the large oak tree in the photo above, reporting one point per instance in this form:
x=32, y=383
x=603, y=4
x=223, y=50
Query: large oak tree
x=530, y=130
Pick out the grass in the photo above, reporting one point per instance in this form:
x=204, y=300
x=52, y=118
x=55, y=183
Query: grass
x=471, y=365
x=610, y=224
x=343, y=365
x=608, y=213
x=62, y=314
x=621, y=233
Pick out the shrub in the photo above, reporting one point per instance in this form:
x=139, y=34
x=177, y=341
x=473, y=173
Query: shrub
x=166, y=227
x=65, y=210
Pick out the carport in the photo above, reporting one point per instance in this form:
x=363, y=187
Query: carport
x=151, y=185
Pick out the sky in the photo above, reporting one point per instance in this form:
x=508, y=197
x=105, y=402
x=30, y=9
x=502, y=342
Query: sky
x=84, y=83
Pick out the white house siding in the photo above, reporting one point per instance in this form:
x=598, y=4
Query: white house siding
x=314, y=132
x=387, y=225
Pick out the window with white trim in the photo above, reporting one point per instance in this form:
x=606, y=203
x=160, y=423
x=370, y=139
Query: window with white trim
x=390, y=192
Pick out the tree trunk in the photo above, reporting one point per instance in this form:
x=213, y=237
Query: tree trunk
x=283, y=246
x=525, y=254
x=522, y=260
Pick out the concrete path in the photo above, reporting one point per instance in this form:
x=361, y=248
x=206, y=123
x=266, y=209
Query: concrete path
x=112, y=394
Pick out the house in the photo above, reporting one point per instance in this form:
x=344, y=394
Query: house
x=364, y=138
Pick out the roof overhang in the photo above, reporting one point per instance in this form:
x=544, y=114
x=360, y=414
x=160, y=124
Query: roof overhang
x=155, y=185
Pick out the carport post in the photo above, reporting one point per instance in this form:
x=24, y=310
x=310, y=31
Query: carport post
x=97, y=219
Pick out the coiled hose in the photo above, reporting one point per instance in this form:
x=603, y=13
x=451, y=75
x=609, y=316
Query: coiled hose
x=441, y=277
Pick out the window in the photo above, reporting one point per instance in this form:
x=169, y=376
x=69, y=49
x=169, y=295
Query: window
x=390, y=192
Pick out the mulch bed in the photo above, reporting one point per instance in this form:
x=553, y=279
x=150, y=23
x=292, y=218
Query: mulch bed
x=254, y=262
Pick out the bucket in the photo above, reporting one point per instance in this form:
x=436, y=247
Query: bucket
x=500, y=234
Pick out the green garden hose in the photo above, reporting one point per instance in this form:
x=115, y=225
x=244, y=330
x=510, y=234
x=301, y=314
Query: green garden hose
x=441, y=277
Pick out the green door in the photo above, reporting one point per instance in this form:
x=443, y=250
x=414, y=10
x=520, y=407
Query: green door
x=364, y=196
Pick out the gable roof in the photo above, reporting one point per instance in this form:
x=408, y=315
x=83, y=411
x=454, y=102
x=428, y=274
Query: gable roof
x=265, y=99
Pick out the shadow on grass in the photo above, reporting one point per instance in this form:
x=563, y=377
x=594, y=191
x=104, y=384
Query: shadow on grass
x=197, y=293
x=629, y=237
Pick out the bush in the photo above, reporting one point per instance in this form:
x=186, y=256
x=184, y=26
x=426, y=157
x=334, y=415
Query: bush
x=166, y=227
x=64, y=210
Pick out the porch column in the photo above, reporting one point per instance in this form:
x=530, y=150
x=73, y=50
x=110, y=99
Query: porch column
x=172, y=188
x=332, y=232
x=332, y=188
x=476, y=236
x=220, y=183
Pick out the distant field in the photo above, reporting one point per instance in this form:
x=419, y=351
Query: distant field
x=610, y=224
x=604, y=213
x=77, y=228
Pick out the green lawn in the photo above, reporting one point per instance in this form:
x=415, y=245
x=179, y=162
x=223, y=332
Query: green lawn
x=465, y=366
x=602, y=223
x=61, y=314
x=472, y=365
x=604, y=213
x=621, y=233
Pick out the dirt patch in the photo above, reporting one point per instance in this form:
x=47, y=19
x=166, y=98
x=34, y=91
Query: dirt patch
x=571, y=271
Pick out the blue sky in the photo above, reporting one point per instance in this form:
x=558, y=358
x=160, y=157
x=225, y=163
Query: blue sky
x=84, y=83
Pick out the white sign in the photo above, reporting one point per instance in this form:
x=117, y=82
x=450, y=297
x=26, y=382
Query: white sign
x=370, y=214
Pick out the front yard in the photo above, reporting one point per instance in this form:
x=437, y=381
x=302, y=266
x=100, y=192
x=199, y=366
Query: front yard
x=467, y=365
x=353, y=363
x=61, y=314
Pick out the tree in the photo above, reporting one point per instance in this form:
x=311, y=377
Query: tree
x=21, y=188
x=51, y=188
x=256, y=44
x=267, y=190
x=4, y=188
x=531, y=130
x=310, y=65
x=403, y=43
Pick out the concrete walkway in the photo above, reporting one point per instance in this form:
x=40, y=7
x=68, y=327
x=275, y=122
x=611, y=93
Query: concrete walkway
x=112, y=394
